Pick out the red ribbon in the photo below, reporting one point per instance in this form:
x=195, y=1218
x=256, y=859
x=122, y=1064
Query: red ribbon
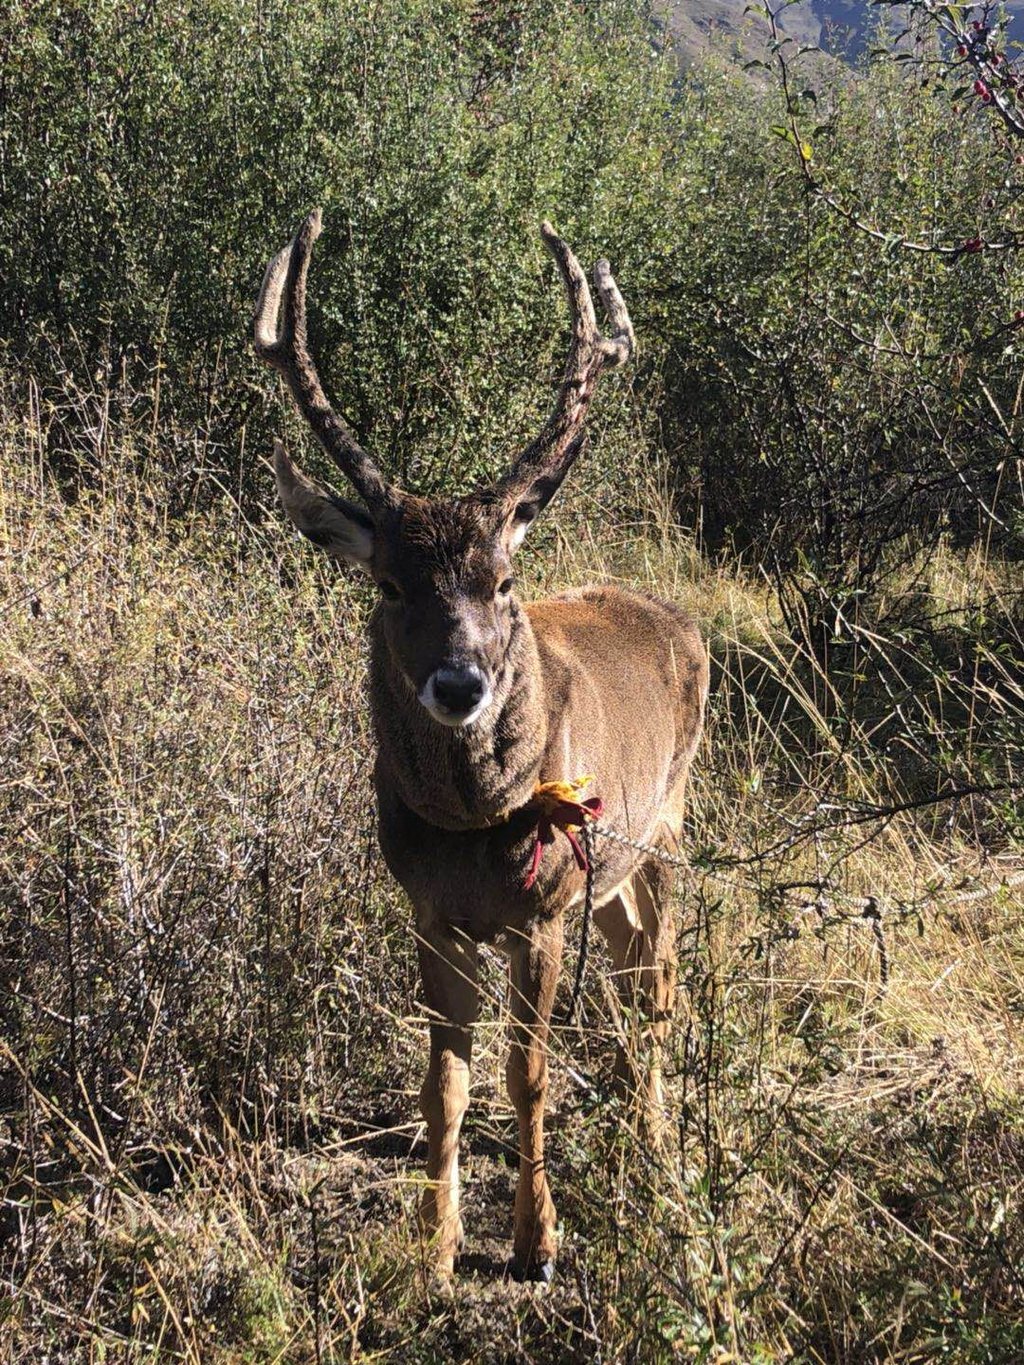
x=560, y=812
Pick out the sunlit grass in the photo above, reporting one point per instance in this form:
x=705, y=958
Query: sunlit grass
x=212, y=1035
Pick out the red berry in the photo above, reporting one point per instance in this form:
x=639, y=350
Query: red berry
x=1019, y=315
x=961, y=51
x=980, y=88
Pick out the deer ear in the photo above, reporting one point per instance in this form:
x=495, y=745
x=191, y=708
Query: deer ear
x=341, y=528
x=518, y=524
x=534, y=495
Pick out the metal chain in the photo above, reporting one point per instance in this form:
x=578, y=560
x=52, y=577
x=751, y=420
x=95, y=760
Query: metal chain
x=867, y=910
x=862, y=907
x=595, y=827
x=588, y=829
x=588, y=913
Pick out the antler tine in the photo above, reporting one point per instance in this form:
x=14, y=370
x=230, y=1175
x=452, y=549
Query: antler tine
x=580, y=303
x=544, y=463
x=279, y=337
x=621, y=345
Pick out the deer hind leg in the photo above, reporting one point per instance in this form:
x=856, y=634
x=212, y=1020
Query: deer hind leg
x=534, y=964
x=639, y=927
x=448, y=966
x=653, y=886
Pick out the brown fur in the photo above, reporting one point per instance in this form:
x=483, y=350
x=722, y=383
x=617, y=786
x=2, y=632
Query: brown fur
x=601, y=681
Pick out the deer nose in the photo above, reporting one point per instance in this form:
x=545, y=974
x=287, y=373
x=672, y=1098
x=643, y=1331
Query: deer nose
x=459, y=689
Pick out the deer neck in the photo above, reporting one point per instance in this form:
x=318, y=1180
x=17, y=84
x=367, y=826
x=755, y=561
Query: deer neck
x=462, y=778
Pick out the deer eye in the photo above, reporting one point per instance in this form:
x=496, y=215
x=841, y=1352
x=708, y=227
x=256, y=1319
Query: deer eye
x=505, y=587
x=388, y=590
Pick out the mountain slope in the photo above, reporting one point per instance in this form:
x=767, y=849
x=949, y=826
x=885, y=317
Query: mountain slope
x=843, y=28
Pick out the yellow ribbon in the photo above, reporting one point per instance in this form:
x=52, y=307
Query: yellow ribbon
x=550, y=795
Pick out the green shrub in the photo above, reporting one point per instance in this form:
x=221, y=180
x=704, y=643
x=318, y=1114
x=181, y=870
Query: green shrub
x=837, y=398
x=155, y=156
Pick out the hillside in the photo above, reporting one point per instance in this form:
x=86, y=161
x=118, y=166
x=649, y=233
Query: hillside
x=843, y=28
x=691, y=26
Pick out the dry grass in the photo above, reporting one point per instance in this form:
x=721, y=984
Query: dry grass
x=211, y=1036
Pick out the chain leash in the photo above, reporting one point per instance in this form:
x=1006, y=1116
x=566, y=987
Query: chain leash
x=587, y=830
x=594, y=827
x=868, y=910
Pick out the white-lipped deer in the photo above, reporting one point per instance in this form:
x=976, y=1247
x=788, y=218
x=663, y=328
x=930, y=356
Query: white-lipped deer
x=476, y=699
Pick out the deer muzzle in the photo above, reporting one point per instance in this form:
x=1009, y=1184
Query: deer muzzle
x=456, y=694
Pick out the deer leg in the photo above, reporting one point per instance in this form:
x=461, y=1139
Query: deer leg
x=534, y=965
x=653, y=887
x=640, y=931
x=619, y=922
x=448, y=966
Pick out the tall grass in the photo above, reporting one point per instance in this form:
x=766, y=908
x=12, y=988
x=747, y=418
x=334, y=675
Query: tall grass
x=212, y=1035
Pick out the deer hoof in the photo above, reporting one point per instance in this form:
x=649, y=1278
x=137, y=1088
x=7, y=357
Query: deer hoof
x=533, y=1272
x=441, y=1282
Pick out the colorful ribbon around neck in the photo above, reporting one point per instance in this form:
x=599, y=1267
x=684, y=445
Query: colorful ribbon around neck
x=559, y=807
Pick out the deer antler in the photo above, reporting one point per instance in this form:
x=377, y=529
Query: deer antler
x=542, y=466
x=283, y=345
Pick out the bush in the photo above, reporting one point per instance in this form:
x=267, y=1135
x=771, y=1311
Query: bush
x=827, y=401
x=837, y=400
x=155, y=156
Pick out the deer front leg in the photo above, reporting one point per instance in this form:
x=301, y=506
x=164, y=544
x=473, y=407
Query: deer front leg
x=448, y=966
x=533, y=971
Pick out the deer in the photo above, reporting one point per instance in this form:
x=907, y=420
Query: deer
x=477, y=701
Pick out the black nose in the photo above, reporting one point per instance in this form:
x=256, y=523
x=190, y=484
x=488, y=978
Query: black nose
x=459, y=689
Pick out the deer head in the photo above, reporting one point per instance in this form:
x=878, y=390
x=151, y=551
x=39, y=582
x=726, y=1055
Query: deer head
x=443, y=568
